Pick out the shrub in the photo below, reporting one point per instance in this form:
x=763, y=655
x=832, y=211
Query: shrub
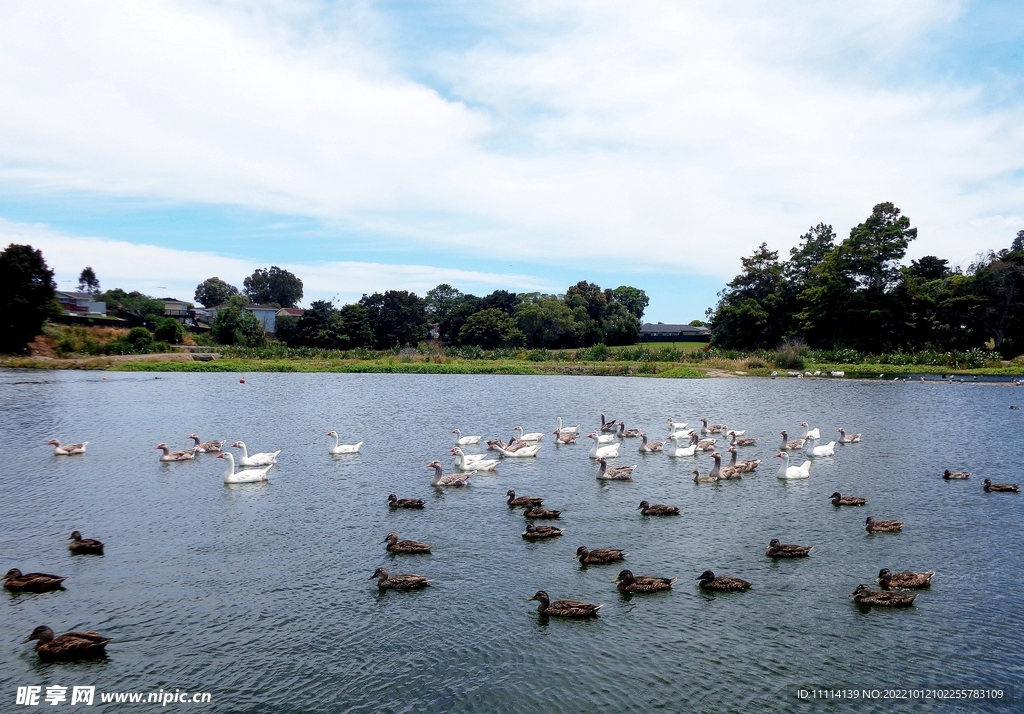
x=538, y=355
x=169, y=330
x=597, y=353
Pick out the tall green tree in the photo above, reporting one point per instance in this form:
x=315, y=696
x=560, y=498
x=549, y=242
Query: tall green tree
x=88, y=282
x=490, y=329
x=397, y=317
x=633, y=299
x=276, y=286
x=751, y=312
x=546, y=322
x=234, y=325
x=213, y=292
x=27, y=296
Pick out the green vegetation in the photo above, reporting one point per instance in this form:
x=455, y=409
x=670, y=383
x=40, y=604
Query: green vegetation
x=27, y=296
x=213, y=292
x=273, y=287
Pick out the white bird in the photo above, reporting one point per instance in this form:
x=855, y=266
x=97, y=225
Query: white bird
x=792, y=472
x=568, y=429
x=342, y=448
x=726, y=430
x=521, y=453
x=245, y=475
x=264, y=458
x=472, y=463
x=674, y=425
x=814, y=433
x=674, y=445
x=605, y=438
x=602, y=451
x=828, y=449
x=465, y=440
x=531, y=436
x=454, y=480
x=67, y=449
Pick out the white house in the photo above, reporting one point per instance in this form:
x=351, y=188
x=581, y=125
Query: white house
x=81, y=304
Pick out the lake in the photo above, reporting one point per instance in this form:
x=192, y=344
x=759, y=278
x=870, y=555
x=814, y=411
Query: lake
x=261, y=594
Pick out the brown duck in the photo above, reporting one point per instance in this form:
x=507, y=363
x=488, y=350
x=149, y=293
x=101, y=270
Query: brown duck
x=599, y=556
x=955, y=475
x=658, y=509
x=864, y=595
x=615, y=473
x=873, y=526
x=697, y=478
x=534, y=532
x=723, y=473
x=629, y=583
x=404, y=546
x=565, y=437
x=721, y=583
x=517, y=501
x=776, y=549
x=741, y=440
x=396, y=502
x=69, y=646
x=745, y=466
x=840, y=500
x=564, y=608
x=398, y=582
x=538, y=512
x=905, y=579
x=17, y=582
x=649, y=447
x=1005, y=487
x=788, y=445
x=84, y=546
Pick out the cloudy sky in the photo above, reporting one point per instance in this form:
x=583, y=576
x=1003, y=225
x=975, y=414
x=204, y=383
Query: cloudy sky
x=375, y=145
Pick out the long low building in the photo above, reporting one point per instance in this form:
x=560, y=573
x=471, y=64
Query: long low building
x=665, y=332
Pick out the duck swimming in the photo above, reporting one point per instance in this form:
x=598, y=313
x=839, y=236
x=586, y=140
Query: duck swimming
x=873, y=526
x=533, y=532
x=67, y=449
x=564, y=608
x=840, y=500
x=517, y=501
x=629, y=583
x=776, y=549
x=404, y=546
x=721, y=583
x=599, y=556
x=396, y=502
x=951, y=475
x=658, y=509
x=538, y=512
x=1004, y=487
x=69, y=646
x=398, y=582
x=84, y=546
x=17, y=582
x=905, y=579
x=864, y=595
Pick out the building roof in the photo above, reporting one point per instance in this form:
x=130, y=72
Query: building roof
x=262, y=307
x=172, y=300
x=673, y=328
x=75, y=295
x=293, y=311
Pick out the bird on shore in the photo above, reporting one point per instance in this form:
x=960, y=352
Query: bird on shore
x=840, y=500
x=84, y=546
x=776, y=549
x=629, y=583
x=69, y=646
x=517, y=501
x=864, y=595
x=404, y=546
x=398, y=582
x=533, y=532
x=67, y=449
x=721, y=583
x=18, y=582
x=955, y=475
x=658, y=509
x=873, y=526
x=1004, y=487
x=905, y=579
x=563, y=608
x=599, y=556
x=396, y=502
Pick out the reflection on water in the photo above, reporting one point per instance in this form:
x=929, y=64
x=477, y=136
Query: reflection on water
x=261, y=593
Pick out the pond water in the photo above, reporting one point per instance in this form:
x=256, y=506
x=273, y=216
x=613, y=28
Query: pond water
x=261, y=594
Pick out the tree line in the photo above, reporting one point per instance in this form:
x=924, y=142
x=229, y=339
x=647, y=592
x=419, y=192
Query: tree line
x=858, y=294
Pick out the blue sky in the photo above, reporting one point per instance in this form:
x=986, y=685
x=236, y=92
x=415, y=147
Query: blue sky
x=376, y=145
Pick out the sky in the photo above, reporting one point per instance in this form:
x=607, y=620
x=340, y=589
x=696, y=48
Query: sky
x=526, y=146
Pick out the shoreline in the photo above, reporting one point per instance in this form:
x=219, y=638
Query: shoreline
x=178, y=362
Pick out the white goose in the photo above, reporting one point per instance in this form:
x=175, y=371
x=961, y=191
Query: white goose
x=568, y=429
x=531, y=436
x=341, y=448
x=245, y=475
x=814, y=433
x=674, y=425
x=465, y=440
x=674, y=445
x=602, y=451
x=524, y=452
x=67, y=449
x=264, y=458
x=828, y=449
x=472, y=463
x=792, y=472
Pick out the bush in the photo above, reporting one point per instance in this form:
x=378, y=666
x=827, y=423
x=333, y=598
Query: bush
x=538, y=355
x=139, y=338
x=169, y=330
x=597, y=353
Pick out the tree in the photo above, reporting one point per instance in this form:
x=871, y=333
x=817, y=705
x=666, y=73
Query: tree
x=929, y=267
x=397, y=318
x=213, y=292
x=450, y=324
x=27, y=296
x=1018, y=242
x=234, y=325
x=546, y=322
x=633, y=299
x=590, y=297
x=169, y=330
x=751, y=312
x=490, y=329
x=88, y=282
x=500, y=300
x=621, y=326
x=273, y=287
x=999, y=286
x=134, y=303
x=440, y=301
x=354, y=329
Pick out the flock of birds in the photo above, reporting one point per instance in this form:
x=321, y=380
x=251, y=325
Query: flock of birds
x=608, y=439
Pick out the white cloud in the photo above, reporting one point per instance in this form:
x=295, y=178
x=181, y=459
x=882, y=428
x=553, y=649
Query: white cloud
x=163, y=272
x=658, y=135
